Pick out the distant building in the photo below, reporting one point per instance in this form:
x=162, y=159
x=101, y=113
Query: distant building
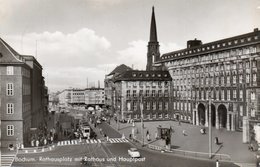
x=109, y=84
x=22, y=95
x=94, y=96
x=81, y=97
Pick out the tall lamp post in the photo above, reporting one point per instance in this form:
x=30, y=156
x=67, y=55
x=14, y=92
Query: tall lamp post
x=142, y=123
x=210, y=127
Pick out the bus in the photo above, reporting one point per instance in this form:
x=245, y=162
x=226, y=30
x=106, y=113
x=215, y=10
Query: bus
x=86, y=130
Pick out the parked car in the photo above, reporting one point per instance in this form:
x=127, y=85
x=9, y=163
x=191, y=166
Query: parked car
x=98, y=121
x=134, y=153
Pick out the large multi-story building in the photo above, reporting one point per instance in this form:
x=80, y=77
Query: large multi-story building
x=150, y=89
x=227, y=71
x=22, y=103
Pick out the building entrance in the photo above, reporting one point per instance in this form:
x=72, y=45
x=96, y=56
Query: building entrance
x=222, y=114
x=201, y=114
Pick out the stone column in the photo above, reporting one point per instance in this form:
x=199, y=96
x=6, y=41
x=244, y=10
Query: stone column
x=194, y=117
x=217, y=120
x=232, y=122
x=206, y=117
x=228, y=121
x=197, y=117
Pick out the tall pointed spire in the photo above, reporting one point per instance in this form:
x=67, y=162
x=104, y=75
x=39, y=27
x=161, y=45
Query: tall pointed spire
x=153, y=32
x=153, y=52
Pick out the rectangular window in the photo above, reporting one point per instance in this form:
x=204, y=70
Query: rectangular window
x=254, y=77
x=135, y=106
x=166, y=105
x=153, y=93
x=10, y=130
x=228, y=79
x=234, y=94
x=154, y=105
x=140, y=93
x=134, y=93
x=10, y=70
x=228, y=94
x=10, y=89
x=160, y=93
x=222, y=94
x=160, y=105
x=234, y=79
x=128, y=93
x=148, y=105
x=147, y=93
x=240, y=78
x=9, y=108
x=241, y=94
x=247, y=78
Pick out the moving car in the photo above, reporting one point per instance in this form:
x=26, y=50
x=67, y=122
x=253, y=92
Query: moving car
x=134, y=153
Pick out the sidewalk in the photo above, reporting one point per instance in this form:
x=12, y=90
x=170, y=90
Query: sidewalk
x=194, y=140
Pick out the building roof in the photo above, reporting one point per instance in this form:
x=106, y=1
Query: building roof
x=220, y=45
x=136, y=75
x=120, y=69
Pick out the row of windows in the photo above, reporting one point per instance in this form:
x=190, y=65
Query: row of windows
x=148, y=105
x=216, y=67
x=217, y=94
x=140, y=83
x=222, y=80
x=153, y=93
x=218, y=55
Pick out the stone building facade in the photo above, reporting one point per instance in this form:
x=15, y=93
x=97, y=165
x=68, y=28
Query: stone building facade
x=227, y=70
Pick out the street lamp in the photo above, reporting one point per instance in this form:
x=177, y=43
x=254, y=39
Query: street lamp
x=142, y=117
x=210, y=127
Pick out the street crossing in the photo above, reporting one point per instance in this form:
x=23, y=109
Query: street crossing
x=118, y=140
x=7, y=160
x=91, y=141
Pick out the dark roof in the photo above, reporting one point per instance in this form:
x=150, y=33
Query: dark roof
x=136, y=75
x=153, y=32
x=10, y=48
x=224, y=44
x=120, y=69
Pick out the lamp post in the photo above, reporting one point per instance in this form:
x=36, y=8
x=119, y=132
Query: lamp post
x=210, y=127
x=142, y=123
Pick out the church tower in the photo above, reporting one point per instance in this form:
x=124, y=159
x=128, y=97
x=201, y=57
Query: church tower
x=153, y=53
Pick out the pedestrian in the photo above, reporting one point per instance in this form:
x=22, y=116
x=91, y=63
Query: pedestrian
x=216, y=140
x=45, y=141
x=37, y=143
x=184, y=133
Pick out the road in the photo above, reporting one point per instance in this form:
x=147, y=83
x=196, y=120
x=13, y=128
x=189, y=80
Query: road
x=108, y=154
x=155, y=158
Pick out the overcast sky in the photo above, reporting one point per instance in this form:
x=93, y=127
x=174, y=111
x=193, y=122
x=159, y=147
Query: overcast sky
x=80, y=39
